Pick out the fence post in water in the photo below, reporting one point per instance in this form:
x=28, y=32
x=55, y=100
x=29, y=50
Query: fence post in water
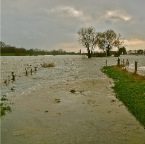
x=106, y=62
x=26, y=72
x=13, y=76
x=35, y=69
x=135, y=67
x=123, y=62
x=31, y=71
x=127, y=62
x=6, y=82
x=118, y=62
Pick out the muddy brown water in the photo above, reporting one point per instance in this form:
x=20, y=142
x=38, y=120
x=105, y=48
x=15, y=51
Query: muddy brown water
x=71, y=103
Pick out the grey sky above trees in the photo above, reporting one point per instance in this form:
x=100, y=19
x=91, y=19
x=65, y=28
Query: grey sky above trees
x=53, y=24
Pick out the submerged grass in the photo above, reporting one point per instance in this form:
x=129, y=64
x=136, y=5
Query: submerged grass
x=130, y=89
x=4, y=108
x=45, y=65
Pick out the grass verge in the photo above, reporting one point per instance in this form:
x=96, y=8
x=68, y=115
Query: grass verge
x=130, y=89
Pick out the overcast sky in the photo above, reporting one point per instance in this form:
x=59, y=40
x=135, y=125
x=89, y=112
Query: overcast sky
x=53, y=24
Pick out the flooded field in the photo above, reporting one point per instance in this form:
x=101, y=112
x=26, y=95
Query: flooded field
x=69, y=103
x=65, y=66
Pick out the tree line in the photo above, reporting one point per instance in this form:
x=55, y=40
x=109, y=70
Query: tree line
x=9, y=50
x=140, y=51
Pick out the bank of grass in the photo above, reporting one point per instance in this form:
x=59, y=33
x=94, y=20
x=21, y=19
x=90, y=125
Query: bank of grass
x=130, y=89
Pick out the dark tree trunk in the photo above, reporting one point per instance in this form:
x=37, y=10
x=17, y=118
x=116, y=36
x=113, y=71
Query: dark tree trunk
x=108, y=50
x=89, y=54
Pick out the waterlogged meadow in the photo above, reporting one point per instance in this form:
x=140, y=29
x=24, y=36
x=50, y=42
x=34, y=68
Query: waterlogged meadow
x=31, y=71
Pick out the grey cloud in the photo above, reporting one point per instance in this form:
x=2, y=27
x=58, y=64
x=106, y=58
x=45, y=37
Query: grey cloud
x=49, y=23
x=118, y=15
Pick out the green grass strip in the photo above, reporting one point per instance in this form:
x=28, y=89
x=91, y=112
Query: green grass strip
x=130, y=89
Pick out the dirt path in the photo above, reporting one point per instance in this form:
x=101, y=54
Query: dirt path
x=79, y=111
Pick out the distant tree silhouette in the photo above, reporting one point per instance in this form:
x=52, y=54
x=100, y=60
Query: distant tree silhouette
x=122, y=50
x=140, y=51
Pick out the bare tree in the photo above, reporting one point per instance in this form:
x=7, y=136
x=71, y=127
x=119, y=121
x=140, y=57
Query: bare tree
x=109, y=39
x=118, y=42
x=88, y=38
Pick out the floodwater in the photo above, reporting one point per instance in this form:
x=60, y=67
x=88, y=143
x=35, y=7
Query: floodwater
x=44, y=111
x=64, y=65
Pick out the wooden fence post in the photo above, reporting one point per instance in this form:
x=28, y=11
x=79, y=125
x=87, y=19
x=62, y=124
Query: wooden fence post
x=31, y=71
x=26, y=72
x=135, y=67
x=35, y=69
x=127, y=62
x=118, y=61
x=123, y=62
x=13, y=76
x=106, y=62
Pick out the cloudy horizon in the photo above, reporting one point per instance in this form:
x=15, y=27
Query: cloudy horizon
x=50, y=24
